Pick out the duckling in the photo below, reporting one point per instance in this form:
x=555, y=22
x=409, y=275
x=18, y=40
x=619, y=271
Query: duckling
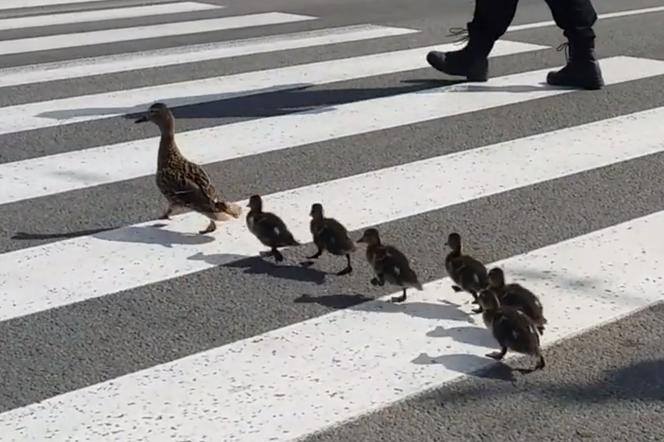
x=389, y=265
x=516, y=296
x=512, y=328
x=469, y=274
x=185, y=184
x=268, y=228
x=329, y=234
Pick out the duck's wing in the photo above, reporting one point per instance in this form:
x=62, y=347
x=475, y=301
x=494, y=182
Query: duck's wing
x=469, y=273
x=336, y=237
x=192, y=190
x=517, y=296
x=454, y=264
x=396, y=264
x=478, y=268
x=514, y=329
x=274, y=230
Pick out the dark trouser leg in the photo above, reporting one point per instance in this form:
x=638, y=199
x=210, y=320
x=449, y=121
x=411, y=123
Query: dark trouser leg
x=490, y=21
x=576, y=18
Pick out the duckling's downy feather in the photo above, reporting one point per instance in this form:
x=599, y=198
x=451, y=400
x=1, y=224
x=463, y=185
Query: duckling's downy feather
x=329, y=234
x=513, y=329
x=394, y=265
x=268, y=228
x=467, y=272
x=389, y=265
x=517, y=296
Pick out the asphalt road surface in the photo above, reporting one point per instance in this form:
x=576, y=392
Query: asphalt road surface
x=65, y=327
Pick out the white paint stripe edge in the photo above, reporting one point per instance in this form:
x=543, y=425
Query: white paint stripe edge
x=25, y=4
x=40, y=73
x=108, y=164
x=51, y=42
x=608, y=15
x=104, y=15
x=94, y=266
x=84, y=108
x=291, y=382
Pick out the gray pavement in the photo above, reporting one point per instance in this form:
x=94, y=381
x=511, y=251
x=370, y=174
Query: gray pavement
x=606, y=385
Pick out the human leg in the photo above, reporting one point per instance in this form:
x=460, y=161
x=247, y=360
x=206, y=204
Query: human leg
x=576, y=18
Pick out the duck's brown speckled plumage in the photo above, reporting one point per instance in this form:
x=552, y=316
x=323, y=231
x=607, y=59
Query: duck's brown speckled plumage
x=330, y=235
x=270, y=230
x=517, y=296
x=185, y=184
x=512, y=328
x=389, y=265
x=468, y=274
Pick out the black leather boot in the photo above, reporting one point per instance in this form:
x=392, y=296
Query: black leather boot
x=471, y=61
x=582, y=70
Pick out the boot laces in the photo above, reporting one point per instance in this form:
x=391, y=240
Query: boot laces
x=565, y=47
x=456, y=32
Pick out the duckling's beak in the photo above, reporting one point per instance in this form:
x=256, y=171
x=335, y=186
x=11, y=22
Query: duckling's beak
x=361, y=240
x=142, y=119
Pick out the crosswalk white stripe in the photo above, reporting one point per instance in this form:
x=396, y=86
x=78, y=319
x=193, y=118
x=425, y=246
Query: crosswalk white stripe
x=90, y=38
x=93, y=266
x=103, y=15
x=83, y=108
x=24, y=4
x=293, y=381
x=290, y=382
x=86, y=67
x=64, y=172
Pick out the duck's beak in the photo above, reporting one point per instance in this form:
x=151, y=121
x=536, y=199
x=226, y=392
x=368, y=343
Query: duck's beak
x=142, y=119
x=361, y=240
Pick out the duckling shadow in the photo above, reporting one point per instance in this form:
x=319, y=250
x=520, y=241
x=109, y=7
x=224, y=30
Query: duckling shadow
x=470, y=365
x=154, y=235
x=258, y=266
x=424, y=310
x=477, y=336
x=25, y=236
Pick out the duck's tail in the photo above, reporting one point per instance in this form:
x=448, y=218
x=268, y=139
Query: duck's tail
x=418, y=285
x=414, y=282
x=232, y=209
x=289, y=240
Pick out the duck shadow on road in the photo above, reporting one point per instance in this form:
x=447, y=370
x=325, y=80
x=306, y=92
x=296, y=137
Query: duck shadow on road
x=257, y=265
x=148, y=234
